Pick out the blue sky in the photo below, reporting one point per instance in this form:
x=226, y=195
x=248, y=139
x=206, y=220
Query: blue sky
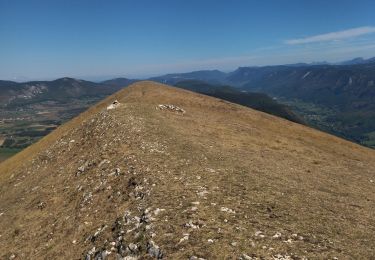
x=97, y=39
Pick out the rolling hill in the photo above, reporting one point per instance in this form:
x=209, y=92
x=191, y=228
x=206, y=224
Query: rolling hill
x=155, y=172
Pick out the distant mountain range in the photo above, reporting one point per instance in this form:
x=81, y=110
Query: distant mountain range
x=345, y=87
x=358, y=60
x=338, y=86
x=210, y=76
x=31, y=110
x=355, y=61
x=64, y=89
x=338, y=98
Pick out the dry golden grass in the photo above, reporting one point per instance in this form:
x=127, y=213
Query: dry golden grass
x=222, y=173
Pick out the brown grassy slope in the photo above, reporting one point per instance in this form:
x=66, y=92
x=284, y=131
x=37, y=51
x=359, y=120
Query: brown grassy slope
x=216, y=182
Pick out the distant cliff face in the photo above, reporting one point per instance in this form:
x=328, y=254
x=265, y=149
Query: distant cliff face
x=345, y=87
x=154, y=172
x=63, y=89
x=337, y=99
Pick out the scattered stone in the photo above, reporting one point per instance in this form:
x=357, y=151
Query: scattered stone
x=103, y=254
x=281, y=257
x=114, y=105
x=196, y=258
x=103, y=162
x=202, y=192
x=246, y=257
x=259, y=234
x=154, y=250
x=83, y=168
x=185, y=238
x=233, y=244
x=87, y=197
x=157, y=211
x=41, y=205
x=133, y=248
x=172, y=108
x=224, y=209
x=195, y=225
x=210, y=241
x=96, y=234
x=129, y=258
x=277, y=235
x=90, y=253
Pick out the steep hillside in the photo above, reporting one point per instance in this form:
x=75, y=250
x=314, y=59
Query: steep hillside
x=210, y=76
x=164, y=173
x=347, y=92
x=258, y=101
x=344, y=87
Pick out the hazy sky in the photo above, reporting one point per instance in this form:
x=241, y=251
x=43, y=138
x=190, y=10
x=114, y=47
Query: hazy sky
x=93, y=39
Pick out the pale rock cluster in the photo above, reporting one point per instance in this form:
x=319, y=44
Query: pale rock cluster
x=172, y=108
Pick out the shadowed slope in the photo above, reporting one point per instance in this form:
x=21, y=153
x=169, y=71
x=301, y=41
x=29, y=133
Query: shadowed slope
x=218, y=180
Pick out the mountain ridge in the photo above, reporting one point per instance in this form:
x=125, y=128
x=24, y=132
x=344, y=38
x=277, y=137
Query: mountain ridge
x=140, y=178
x=338, y=99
